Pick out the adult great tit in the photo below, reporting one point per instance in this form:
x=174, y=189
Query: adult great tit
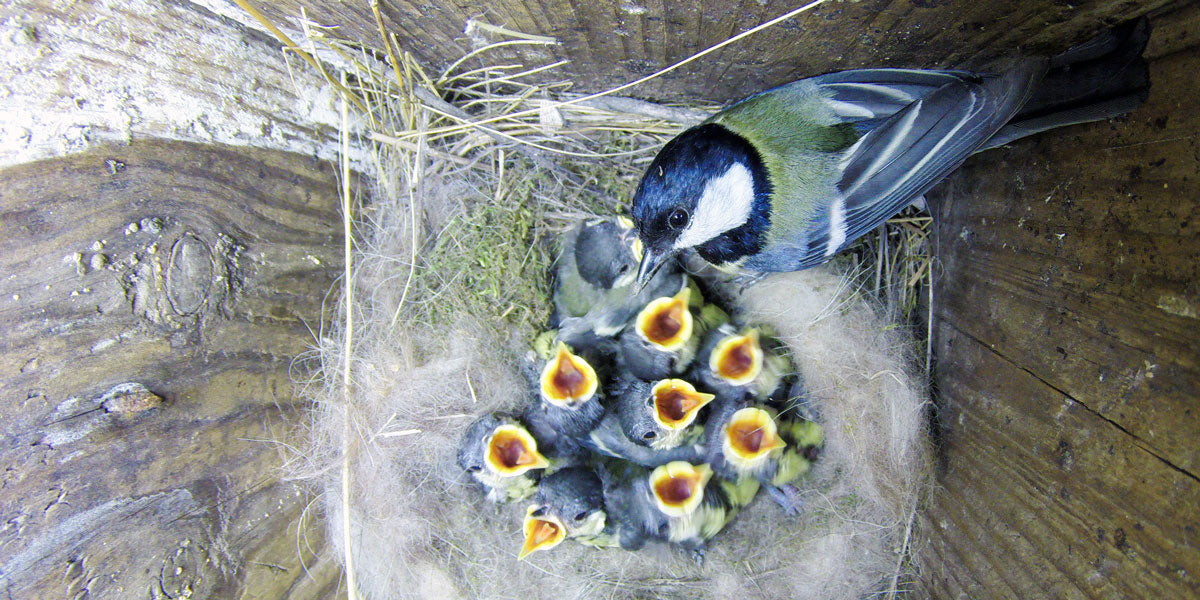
x=786, y=178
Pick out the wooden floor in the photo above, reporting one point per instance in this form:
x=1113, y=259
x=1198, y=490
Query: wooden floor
x=1068, y=355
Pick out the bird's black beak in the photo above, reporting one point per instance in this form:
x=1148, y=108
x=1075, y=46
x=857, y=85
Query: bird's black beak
x=652, y=260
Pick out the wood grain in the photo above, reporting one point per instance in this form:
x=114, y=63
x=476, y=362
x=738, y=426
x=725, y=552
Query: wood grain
x=1068, y=345
x=610, y=42
x=196, y=271
x=92, y=72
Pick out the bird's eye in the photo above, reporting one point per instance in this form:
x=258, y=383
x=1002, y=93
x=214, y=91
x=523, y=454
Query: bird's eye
x=649, y=435
x=623, y=270
x=581, y=516
x=473, y=469
x=538, y=512
x=678, y=219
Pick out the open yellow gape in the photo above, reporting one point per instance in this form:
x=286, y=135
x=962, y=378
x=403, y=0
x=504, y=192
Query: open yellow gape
x=666, y=322
x=512, y=451
x=676, y=403
x=567, y=379
x=737, y=359
x=678, y=487
x=750, y=436
x=542, y=532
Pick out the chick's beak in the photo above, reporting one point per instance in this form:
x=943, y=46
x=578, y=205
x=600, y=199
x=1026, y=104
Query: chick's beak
x=666, y=322
x=512, y=451
x=652, y=260
x=678, y=487
x=567, y=379
x=676, y=403
x=738, y=358
x=541, y=533
x=751, y=435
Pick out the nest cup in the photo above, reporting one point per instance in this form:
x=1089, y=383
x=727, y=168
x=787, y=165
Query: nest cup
x=447, y=282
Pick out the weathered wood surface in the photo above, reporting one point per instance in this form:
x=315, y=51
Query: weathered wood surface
x=1068, y=345
x=196, y=271
x=610, y=42
x=93, y=72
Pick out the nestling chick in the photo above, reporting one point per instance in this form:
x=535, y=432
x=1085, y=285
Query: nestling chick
x=666, y=335
x=786, y=178
x=567, y=403
x=609, y=439
x=659, y=414
x=745, y=443
x=737, y=367
x=695, y=511
x=569, y=505
x=594, y=295
x=652, y=423
x=501, y=455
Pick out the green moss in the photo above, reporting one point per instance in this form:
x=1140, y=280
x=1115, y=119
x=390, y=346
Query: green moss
x=491, y=260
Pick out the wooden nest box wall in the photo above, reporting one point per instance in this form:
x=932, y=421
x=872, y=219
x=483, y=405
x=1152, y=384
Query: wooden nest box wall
x=169, y=218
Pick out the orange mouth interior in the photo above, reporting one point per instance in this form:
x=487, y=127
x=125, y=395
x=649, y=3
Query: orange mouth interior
x=676, y=490
x=676, y=402
x=747, y=437
x=678, y=487
x=664, y=325
x=753, y=434
x=510, y=453
x=568, y=378
x=666, y=322
x=738, y=358
x=737, y=362
x=541, y=534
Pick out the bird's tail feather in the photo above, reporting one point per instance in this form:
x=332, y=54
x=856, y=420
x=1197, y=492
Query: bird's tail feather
x=1099, y=79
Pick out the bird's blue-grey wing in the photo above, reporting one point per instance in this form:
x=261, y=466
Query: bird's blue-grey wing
x=912, y=150
x=872, y=95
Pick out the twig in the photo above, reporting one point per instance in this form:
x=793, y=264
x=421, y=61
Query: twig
x=412, y=224
x=912, y=515
x=401, y=433
x=287, y=41
x=449, y=110
x=473, y=24
x=348, y=278
x=621, y=104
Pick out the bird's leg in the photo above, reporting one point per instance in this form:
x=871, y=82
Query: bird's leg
x=786, y=496
x=745, y=281
x=696, y=550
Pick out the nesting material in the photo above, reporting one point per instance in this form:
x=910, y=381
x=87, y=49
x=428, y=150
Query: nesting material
x=451, y=254
x=421, y=528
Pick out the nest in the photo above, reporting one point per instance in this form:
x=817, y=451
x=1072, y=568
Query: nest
x=449, y=245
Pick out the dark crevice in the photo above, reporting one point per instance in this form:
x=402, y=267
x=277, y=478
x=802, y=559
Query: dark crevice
x=1138, y=441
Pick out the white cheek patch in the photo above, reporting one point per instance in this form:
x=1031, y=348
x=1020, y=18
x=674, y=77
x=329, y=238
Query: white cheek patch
x=725, y=204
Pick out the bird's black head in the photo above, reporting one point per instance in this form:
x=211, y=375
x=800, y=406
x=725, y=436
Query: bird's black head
x=635, y=409
x=471, y=446
x=571, y=494
x=602, y=255
x=708, y=190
